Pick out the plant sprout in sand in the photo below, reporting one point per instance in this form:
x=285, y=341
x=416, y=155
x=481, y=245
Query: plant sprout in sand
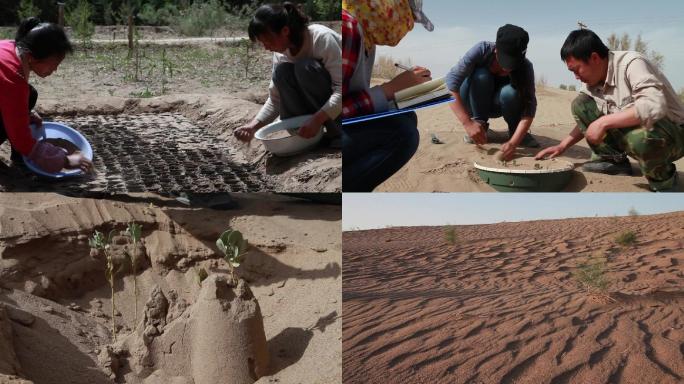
x=450, y=234
x=133, y=232
x=592, y=275
x=100, y=242
x=233, y=247
x=626, y=239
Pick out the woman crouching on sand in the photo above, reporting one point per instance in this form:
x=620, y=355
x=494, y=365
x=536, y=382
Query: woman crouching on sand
x=307, y=70
x=38, y=48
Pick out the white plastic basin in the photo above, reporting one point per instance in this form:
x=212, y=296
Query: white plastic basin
x=292, y=144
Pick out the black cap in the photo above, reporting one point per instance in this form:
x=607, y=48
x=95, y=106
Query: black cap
x=511, y=46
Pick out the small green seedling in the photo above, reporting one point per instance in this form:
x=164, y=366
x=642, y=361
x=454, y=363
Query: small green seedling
x=133, y=232
x=626, y=239
x=233, y=247
x=100, y=242
x=450, y=234
x=592, y=275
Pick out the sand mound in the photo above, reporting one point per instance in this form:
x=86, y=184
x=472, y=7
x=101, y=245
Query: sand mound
x=277, y=322
x=501, y=305
x=220, y=336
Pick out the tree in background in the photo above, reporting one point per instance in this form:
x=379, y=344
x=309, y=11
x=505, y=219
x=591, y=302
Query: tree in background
x=156, y=12
x=323, y=9
x=78, y=17
x=27, y=9
x=624, y=43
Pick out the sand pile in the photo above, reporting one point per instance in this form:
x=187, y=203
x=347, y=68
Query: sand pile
x=220, y=336
x=503, y=305
x=55, y=303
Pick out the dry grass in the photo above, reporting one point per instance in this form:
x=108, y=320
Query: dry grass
x=591, y=274
x=450, y=234
x=626, y=239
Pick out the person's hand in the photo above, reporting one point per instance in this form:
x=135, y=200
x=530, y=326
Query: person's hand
x=35, y=118
x=406, y=79
x=595, y=132
x=77, y=160
x=476, y=132
x=507, y=151
x=550, y=152
x=310, y=128
x=244, y=133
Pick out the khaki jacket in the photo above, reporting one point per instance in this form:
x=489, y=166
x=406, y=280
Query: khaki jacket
x=632, y=81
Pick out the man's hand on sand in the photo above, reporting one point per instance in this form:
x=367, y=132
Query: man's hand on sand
x=507, y=151
x=550, y=152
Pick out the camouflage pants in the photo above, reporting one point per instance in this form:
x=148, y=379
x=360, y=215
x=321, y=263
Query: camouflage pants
x=655, y=150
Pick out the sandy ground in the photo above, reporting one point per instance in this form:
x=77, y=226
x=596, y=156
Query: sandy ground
x=448, y=167
x=501, y=305
x=55, y=301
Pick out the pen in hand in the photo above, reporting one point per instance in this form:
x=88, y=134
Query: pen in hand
x=401, y=66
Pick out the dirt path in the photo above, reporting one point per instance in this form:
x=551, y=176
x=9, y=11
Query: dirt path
x=175, y=41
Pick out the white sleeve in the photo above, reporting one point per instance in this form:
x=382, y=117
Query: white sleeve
x=271, y=108
x=331, y=53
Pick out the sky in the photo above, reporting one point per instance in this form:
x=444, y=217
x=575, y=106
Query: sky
x=378, y=210
x=461, y=24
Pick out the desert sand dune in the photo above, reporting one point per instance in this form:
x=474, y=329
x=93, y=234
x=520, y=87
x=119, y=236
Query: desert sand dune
x=502, y=305
x=449, y=167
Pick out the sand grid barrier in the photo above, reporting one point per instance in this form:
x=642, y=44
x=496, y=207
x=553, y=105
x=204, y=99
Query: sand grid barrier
x=163, y=153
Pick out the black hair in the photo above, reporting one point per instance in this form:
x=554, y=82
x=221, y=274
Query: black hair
x=581, y=43
x=42, y=40
x=274, y=17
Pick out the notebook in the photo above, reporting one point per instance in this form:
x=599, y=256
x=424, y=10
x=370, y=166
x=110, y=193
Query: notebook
x=422, y=93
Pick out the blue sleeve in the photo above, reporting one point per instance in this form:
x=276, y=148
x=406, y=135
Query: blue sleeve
x=465, y=67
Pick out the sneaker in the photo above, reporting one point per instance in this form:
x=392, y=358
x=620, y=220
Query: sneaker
x=529, y=142
x=622, y=167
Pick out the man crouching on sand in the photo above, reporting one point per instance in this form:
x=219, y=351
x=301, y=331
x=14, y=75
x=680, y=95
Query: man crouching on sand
x=628, y=108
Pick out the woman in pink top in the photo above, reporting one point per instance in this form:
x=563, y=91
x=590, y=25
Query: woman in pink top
x=38, y=48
